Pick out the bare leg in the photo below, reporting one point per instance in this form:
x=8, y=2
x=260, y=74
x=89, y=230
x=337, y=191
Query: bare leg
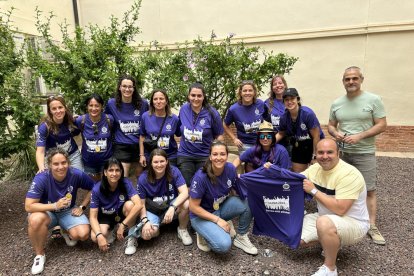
x=297, y=167
x=183, y=215
x=126, y=166
x=38, y=231
x=79, y=232
x=372, y=206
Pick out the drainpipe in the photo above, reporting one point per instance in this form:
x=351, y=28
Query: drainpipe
x=75, y=12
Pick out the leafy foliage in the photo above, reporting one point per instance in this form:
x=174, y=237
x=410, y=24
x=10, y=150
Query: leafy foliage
x=220, y=66
x=18, y=114
x=91, y=60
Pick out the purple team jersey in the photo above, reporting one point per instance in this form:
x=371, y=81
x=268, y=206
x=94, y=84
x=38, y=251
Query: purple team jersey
x=209, y=193
x=276, y=200
x=48, y=190
x=150, y=128
x=305, y=121
x=158, y=191
x=247, y=119
x=280, y=157
x=63, y=139
x=127, y=121
x=198, y=134
x=111, y=204
x=97, y=141
x=277, y=111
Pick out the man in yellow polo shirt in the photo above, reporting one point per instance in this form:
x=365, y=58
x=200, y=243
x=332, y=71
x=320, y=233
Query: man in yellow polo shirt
x=340, y=192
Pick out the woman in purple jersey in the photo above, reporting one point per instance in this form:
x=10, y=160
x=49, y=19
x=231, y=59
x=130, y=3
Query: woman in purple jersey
x=266, y=151
x=127, y=108
x=114, y=203
x=213, y=203
x=51, y=200
x=96, y=130
x=160, y=115
x=300, y=124
x=274, y=103
x=163, y=185
x=200, y=124
x=57, y=130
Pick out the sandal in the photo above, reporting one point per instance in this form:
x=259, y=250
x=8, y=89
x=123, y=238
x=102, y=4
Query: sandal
x=56, y=234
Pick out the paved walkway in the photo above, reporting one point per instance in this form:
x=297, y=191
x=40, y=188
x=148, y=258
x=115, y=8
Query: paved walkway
x=396, y=154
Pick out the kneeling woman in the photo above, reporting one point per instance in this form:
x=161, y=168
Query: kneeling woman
x=114, y=201
x=164, y=194
x=212, y=205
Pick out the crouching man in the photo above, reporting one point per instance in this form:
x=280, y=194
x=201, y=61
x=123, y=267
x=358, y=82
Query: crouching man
x=340, y=192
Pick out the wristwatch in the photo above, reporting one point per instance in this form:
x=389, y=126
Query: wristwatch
x=314, y=191
x=82, y=207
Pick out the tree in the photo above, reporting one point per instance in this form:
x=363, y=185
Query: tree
x=220, y=66
x=91, y=60
x=18, y=114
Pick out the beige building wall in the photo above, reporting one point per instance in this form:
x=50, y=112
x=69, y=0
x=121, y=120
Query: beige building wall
x=327, y=36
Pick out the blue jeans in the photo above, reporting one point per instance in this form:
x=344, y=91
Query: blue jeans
x=189, y=166
x=218, y=239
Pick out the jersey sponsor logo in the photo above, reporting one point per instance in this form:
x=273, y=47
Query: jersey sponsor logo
x=256, y=111
x=303, y=126
x=168, y=127
x=194, y=187
x=275, y=120
x=303, y=137
x=253, y=127
x=129, y=127
x=67, y=146
x=194, y=136
x=136, y=112
x=104, y=130
x=286, y=187
x=229, y=184
x=277, y=204
x=108, y=211
x=202, y=122
x=121, y=197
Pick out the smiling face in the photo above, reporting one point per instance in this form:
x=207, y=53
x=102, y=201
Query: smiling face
x=247, y=94
x=352, y=81
x=94, y=108
x=113, y=174
x=57, y=110
x=291, y=103
x=278, y=87
x=266, y=139
x=59, y=165
x=127, y=90
x=218, y=157
x=159, y=164
x=196, y=98
x=159, y=101
x=327, y=154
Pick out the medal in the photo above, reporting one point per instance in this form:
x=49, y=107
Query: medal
x=69, y=196
x=117, y=218
x=162, y=144
x=296, y=144
x=193, y=138
x=97, y=149
x=216, y=206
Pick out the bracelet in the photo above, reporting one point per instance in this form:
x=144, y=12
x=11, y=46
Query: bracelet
x=97, y=235
x=126, y=226
x=144, y=218
x=174, y=206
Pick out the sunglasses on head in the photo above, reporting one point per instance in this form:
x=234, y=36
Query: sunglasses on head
x=267, y=136
x=55, y=97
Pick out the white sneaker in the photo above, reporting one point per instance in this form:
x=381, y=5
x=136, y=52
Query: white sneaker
x=131, y=246
x=38, y=264
x=111, y=236
x=243, y=242
x=232, y=231
x=325, y=271
x=68, y=240
x=202, y=244
x=184, y=236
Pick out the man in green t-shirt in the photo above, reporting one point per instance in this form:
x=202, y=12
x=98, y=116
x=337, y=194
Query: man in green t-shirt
x=354, y=121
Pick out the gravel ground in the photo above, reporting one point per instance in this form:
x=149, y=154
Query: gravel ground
x=167, y=256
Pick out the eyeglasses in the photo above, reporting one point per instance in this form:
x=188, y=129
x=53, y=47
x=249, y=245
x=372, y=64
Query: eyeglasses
x=267, y=136
x=130, y=87
x=95, y=129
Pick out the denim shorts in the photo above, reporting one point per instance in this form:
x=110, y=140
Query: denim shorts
x=76, y=160
x=66, y=220
x=156, y=220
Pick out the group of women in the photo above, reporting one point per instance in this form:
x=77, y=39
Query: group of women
x=201, y=189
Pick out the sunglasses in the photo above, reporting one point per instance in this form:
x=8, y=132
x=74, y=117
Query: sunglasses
x=247, y=82
x=267, y=136
x=95, y=129
x=342, y=144
x=54, y=97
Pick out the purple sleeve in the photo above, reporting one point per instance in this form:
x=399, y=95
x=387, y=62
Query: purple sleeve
x=217, y=125
x=179, y=179
x=140, y=186
x=283, y=122
x=42, y=133
x=310, y=120
x=129, y=188
x=248, y=155
x=87, y=182
x=282, y=157
x=95, y=196
x=178, y=127
x=229, y=117
x=142, y=130
x=197, y=188
x=37, y=187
